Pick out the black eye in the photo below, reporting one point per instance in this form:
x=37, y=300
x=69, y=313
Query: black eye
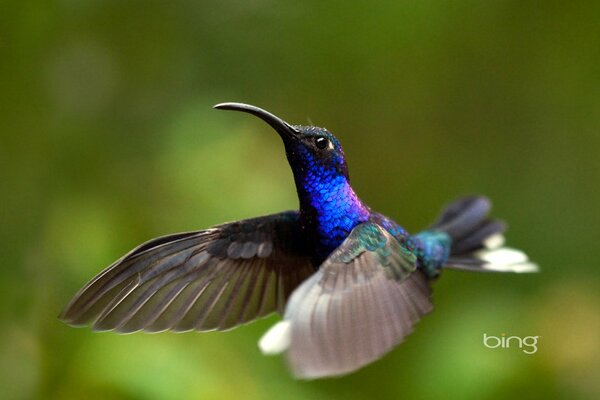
x=321, y=142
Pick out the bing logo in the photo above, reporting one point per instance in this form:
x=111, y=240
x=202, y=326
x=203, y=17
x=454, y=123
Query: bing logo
x=528, y=343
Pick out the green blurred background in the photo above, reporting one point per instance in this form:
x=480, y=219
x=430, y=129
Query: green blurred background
x=108, y=139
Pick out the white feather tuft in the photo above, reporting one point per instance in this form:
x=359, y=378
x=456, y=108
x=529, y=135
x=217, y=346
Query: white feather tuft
x=517, y=268
x=494, y=241
x=277, y=339
x=505, y=259
x=502, y=256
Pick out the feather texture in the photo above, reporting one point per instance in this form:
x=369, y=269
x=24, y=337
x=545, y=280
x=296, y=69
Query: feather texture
x=206, y=280
x=365, y=298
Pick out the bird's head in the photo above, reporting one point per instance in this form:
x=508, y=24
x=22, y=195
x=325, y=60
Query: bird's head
x=310, y=150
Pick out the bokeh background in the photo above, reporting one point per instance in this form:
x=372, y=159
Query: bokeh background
x=108, y=139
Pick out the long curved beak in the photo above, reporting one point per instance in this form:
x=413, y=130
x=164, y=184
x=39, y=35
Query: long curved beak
x=285, y=130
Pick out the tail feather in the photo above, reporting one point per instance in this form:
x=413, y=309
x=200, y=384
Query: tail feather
x=463, y=215
x=477, y=241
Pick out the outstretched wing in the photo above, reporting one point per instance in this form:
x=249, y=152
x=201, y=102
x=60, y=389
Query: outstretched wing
x=365, y=298
x=212, y=279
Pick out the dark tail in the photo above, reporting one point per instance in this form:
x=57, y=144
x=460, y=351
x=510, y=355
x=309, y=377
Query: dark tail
x=477, y=240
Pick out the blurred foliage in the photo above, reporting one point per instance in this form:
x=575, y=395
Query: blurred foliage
x=108, y=139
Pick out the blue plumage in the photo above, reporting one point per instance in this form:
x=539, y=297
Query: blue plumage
x=432, y=249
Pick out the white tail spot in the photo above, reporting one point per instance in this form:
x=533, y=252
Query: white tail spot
x=505, y=259
x=494, y=241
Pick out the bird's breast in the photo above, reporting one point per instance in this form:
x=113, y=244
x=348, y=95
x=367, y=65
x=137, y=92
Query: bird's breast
x=329, y=210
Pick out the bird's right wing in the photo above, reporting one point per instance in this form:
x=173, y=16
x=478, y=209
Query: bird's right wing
x=212, y=279
x=365, y=298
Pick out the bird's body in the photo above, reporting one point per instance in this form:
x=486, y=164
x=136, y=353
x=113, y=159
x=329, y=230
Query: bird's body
x=350, y=282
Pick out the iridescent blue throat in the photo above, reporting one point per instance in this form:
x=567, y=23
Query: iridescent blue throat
x=328, y=205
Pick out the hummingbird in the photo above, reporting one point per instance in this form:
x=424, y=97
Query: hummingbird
x=349, y=282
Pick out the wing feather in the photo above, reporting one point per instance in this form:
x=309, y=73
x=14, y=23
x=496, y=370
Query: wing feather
x=364, y=300
x=213, y=279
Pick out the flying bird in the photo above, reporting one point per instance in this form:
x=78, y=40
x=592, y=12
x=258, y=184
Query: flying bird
x=349, y=282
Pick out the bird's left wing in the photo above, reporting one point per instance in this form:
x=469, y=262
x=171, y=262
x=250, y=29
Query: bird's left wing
x=212, y=279
x=365, y=298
